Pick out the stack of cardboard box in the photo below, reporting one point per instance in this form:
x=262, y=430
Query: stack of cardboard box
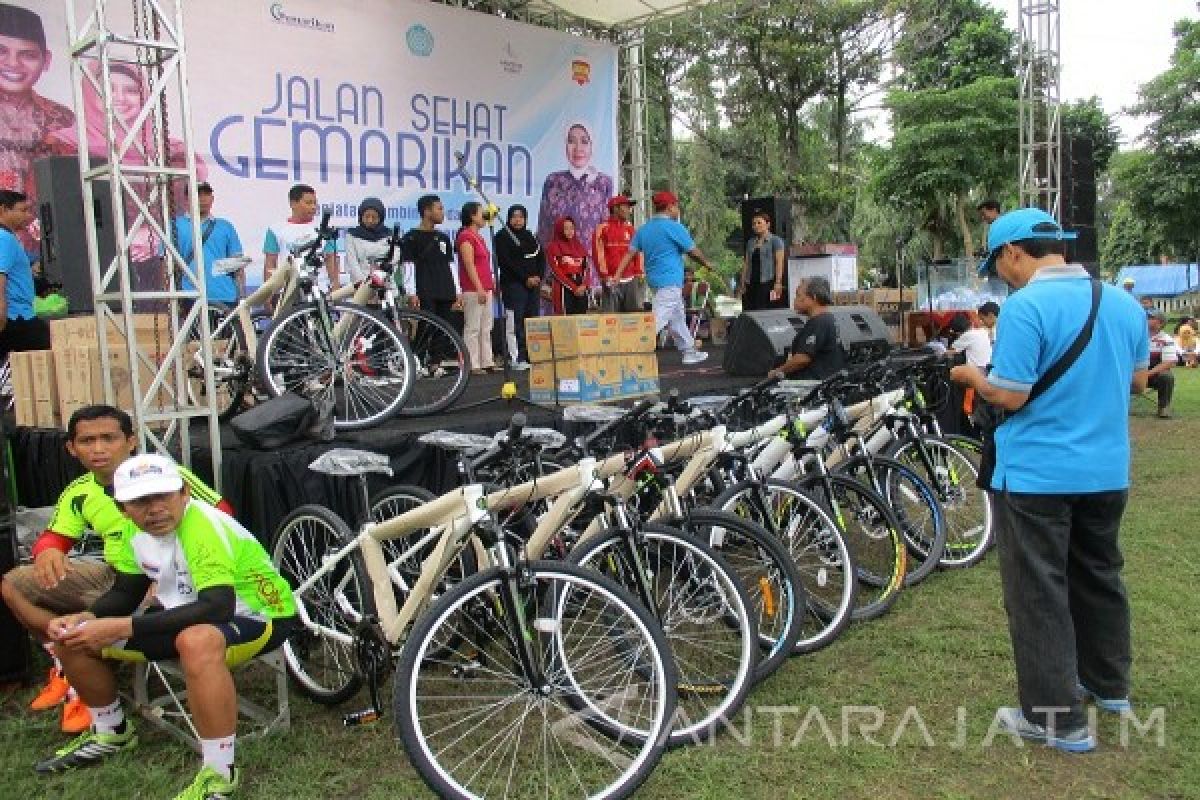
x=49, y=385
x=591, y=358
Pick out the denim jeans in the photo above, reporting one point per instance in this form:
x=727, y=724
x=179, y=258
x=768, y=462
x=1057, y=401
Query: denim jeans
x=1068, y=615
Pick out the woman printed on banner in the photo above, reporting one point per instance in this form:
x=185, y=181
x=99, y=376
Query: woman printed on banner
x=567, y=259
x=581, y=192
x=130, y=90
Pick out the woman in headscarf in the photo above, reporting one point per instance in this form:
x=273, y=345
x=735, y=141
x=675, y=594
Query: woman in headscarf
x=522, y=265
x=568, y=262
x=130, y=92
x=367, y=243
x=581, y=192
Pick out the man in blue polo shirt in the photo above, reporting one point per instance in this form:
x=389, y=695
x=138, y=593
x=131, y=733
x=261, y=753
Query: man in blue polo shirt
x=1061, y=479
x=664, y=241
x=20, y=328
x=219, y=240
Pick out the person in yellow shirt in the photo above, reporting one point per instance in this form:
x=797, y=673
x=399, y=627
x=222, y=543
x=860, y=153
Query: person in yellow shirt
x=1185, y=337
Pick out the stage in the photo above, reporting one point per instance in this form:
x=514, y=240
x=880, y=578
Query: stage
x=264, y=486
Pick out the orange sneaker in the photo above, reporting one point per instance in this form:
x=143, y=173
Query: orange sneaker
x=76, y=718
x=53, y=693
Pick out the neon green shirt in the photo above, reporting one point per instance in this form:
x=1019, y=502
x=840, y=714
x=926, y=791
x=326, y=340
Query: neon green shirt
x=209, y=548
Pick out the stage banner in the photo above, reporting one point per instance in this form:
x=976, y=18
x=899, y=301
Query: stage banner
x=375, y=98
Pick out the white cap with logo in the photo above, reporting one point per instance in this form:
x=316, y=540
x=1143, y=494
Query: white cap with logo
x=145, y=474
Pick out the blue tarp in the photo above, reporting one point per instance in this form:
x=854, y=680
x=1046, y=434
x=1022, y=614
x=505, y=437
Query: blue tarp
x=1161, y=280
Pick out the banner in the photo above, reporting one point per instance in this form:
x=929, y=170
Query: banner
x=377, y=98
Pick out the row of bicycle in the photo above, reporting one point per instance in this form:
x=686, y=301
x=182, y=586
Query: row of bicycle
x=361, y=350
x=580, y=604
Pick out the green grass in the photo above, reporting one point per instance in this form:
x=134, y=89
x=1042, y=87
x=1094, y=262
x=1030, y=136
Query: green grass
x=944, y=647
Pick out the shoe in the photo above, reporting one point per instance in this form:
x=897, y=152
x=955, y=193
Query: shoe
x=521, y=366
x=88, y=748
x=1164, y=413
x=1080, y=740
x=695, y=357
x=76, y=718
x=1117, y=705
x=53, y=693
x=210, y=785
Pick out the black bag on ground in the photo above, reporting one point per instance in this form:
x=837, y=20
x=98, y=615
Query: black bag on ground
x=281, y=421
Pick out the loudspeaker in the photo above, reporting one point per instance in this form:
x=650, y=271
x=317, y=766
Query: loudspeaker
x=759, y=341
x=1084, y=249
x=862, y=333
x=64, y=237
x=1079, y=183
x=779, y=209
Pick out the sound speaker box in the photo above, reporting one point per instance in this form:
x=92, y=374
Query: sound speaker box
x=759, y=341
x=779, y=209
x=64, y=237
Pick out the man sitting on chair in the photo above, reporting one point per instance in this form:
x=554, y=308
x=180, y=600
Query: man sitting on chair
x=1163, y=356
x=219, y=603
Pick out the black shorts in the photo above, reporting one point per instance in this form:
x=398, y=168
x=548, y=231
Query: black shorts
x=245, y=638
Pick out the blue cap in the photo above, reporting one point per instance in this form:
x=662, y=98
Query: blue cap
x=1015, y=226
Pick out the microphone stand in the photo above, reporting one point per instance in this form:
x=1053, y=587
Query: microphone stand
x=508, y=390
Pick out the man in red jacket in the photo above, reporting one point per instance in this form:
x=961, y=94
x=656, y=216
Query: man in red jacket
x=609, y=245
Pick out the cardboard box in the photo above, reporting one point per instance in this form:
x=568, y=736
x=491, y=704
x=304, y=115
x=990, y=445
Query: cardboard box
x=73, y=373
x=639, y=375
x=637, y=333
x=541, y=381
x=575, y=335
x=21, y=365
x=45, y=389
x=610, y=332
x=538, y=340
x=585, y=379
x=122, y=378
x=150, y=330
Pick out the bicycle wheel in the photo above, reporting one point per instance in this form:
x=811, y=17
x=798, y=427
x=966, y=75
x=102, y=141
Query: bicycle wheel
x=406, y=554
x=968, y=509
x=817, y=546
x=873, y=535
x=233, y=367
x=768, y=576
x=355, y=360
x=493, y=717
x=912, y=500
x=321, y=658
x=440, y=357
x=699, y=601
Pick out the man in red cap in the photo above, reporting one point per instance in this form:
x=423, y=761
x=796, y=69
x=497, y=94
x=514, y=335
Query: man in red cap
x=664, y=242
x=609, y=245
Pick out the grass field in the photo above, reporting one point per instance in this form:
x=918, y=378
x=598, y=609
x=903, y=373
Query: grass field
x=942, y=651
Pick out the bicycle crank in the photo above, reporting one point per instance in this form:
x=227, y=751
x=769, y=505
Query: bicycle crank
x=373, y=658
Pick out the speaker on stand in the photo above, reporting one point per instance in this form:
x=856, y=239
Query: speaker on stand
x=1078, y=201
x=64, y=237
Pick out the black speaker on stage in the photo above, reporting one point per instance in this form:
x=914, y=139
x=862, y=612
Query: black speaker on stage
x=1078, y=200
x=779, y=209
x=862, y=332
x=64, y=237
x=759, y=341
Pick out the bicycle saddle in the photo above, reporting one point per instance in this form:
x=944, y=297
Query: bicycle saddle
x=586, y=413
x=453, y=440
x=344, y=462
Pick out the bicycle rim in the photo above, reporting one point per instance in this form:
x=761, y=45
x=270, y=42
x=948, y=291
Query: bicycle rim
x=967, y=508
x=440, y=363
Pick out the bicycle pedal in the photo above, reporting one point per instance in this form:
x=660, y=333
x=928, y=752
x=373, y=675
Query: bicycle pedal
x=364, y=717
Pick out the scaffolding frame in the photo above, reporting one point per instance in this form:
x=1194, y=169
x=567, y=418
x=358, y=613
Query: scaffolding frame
x=152, y=44
x=1039, y=109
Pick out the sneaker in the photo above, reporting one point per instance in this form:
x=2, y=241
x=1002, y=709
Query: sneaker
x=76, y=718
x=1080, y=740
x=694, y=357
x=210, y=785
x=521, y=366
x=53, y=693
x=1117, y=705
x=88, y=748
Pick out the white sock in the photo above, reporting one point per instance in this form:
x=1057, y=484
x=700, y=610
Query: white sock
x=218, y=754
x=72, y=695
x=49, y=648
x=108, y=719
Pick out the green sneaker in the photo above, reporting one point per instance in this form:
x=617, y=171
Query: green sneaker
x=88, y=748
x=210, y=785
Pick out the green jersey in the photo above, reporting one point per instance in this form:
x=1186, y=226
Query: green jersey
x=85, y=506
x=209, y=548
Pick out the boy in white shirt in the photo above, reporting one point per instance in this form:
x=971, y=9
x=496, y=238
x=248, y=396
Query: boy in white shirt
x=299, y=227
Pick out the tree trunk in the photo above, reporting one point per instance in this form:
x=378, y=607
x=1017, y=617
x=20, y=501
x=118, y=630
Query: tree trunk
x=960, y=208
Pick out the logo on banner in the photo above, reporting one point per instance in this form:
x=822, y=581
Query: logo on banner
x=312, y=23
x=420, y=40
x=581, y=71
x=509, y=60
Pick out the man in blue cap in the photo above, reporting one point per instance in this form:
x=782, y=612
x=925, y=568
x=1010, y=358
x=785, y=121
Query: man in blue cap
x=1061, y=478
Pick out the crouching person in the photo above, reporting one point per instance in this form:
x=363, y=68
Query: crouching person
x=219, y=603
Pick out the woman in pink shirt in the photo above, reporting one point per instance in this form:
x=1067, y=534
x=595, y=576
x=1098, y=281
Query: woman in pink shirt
x=475, y=277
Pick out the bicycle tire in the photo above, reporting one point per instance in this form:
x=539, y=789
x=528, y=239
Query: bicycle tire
x=818, y=548
x=233, y=368
x=917, y=509
x=680, y=574
x=347, y=586
x=876, y=545
x=371, y=363
x=567, y=591
x=436, y=387
x=768, y=574
x=970, y=525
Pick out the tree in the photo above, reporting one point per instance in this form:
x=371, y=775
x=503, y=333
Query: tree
x=1087, y=119
x=951, y=44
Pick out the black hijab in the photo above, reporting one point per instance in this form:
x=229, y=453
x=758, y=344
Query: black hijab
x=524, y=241
x=380, y=231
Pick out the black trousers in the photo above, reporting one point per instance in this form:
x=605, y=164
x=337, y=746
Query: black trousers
x=1164, y=384
x=20, y=335
x=1068, y=614
x=445, y=310
x=524, y=303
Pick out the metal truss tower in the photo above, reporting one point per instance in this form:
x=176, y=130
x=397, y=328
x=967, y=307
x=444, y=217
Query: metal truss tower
x=149, y=169
x=1040, y=73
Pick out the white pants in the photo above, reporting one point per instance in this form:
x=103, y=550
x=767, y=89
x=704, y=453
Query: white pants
x=510, y=335
x=670, y=313
x=477, y=329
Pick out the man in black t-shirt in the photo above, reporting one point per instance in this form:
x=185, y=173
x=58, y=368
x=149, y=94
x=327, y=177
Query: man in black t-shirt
x=816, y=351
x=431, y=253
